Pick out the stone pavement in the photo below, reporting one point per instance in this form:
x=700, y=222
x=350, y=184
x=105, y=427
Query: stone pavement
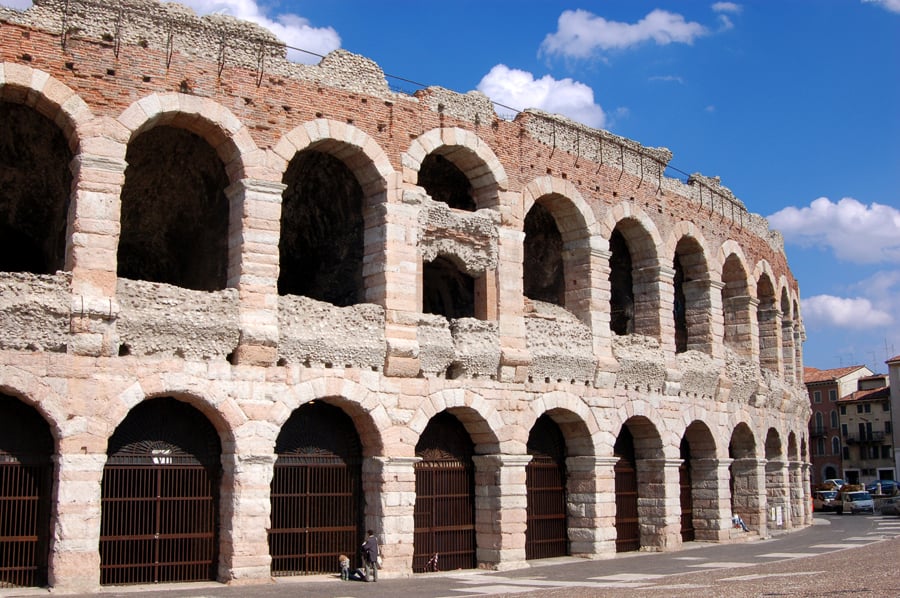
x=840, y=554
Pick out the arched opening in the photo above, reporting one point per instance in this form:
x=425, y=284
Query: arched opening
x=685, y=483
x=546, y=533
x=445, y=182
x=691, y=297
x=543, y=269
x=159, y=497
x=444, y=513
x=35, y=184
x=628, y=533
x=830, y=473
x=743, y=473
x=679, y=308
x=322, y=231
x=174, y=211
x=26, y=479
x=766, y=317
x=835, y=446
x=621, y=318
x=316, y=492
x=736, y=306
x=787, y=336
x=777, y=483
x=446, y=290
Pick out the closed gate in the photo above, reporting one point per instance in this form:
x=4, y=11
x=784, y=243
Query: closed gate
x=628, y=535
x=159, y=497
x=25, y=481
x=685, y=483
x=546, y=534
x=317, y=510
x=444, y=514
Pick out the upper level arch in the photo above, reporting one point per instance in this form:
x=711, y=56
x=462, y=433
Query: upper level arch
x=688, y=252
x=465, y=151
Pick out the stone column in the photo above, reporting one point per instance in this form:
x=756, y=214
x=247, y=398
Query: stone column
x=741, y=328
x=501, y=503
x=711, y=504
x=654, y=294
x=698, y=313
x=591, y=495
x=389, y=485
x=805, y=469
x=94, y=229
x=795, y=489
x=770, y=339
x=748, y=497
x=245, y=515
x=659, y=503
x=716, y=318
x=253, y=259
x=787, y=350
x=514, y=355
x=777, y=493
x=74, y=565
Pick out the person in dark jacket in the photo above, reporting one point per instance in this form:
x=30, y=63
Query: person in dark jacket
x=369, y=551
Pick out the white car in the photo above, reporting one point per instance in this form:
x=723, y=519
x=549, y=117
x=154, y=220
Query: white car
x=856, y=502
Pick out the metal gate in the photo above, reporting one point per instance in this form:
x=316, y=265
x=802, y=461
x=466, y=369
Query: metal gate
x=25, y=481
x=159, y=497
x=444, y=514
x=317, y=510
x=546, y=534
x=687, y=503
x=628, y=533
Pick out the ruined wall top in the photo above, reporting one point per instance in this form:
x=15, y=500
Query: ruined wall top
x=231, y=42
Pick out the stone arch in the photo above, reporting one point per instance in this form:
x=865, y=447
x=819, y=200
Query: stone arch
x=477, y=415
x=698, y=475
x=571, y=414
x=746, y=479
x=37, y=228
x=737, y=299
x=788, y=324
x=558, y=226
x=778, y=484
x=768, y=318
x=467, y=152
x=35, y=393
x=639, y=475
x=688, y=251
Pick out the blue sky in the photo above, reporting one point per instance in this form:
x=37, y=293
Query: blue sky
x=795, y=104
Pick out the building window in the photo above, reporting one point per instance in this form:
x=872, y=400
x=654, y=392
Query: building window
x=835, y=446
x=820, y=446
x=868, y=408
x=844, y=431
x=846, y=452
x=834, y=419
x=817, y=396
x=885, y=452
x=859, y=408
x=843, y=410
x=832, y=395
x=886, y=406
x=887, y=427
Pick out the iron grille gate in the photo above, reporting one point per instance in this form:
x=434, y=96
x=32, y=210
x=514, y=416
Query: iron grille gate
x=628, y=536
x=315, y=514
x=159, y=497
x=687, y=503
x=24, y=522
x=546, y=534
x=444, y=516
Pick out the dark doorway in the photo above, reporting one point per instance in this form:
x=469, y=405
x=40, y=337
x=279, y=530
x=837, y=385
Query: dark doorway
x=443, y=181
x=546, y=534
x=686, y=493
x=621, y=317
x=26, y=473
x=317, y=505
x=444, y=537
x=446, y=291
x=543, y=267
x=159, y=497
x=628, y=533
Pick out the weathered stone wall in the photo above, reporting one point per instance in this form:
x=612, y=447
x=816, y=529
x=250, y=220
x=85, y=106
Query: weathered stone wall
x=35, y=311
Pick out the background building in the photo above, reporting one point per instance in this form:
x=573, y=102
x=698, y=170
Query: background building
x=867, y=430
x=250, y=308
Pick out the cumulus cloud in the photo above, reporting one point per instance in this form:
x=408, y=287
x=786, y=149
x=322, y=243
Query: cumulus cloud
x=579, y=33
x=855, y=232
x=723, y=9
x=850, y=313
x=891, y=5
x=519, y=90
x=292, y=29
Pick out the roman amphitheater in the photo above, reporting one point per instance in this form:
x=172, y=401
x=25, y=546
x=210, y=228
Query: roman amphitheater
x=250, y=308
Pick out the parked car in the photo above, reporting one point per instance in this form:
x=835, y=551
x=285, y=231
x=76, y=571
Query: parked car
x=891, y=506
x=835, y=483
x=888, y=487
x=825, y=500
x=857, y=501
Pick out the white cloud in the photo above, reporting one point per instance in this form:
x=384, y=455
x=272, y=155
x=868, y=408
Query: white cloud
x=519, y=90
x=668, y=79
x=852, y=313
x=727, y=7
x=579, y=32
x=856, y=232
x=292, y=29
x=891, y=5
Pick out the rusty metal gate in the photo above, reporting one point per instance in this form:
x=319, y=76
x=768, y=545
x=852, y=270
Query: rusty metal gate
x=628, y=533
x=26, y=473
x=444, y=514
x=685, y=480
x=546, y=534
x=317, y=506
x=159, y=496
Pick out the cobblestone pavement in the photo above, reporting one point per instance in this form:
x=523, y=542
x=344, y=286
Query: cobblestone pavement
x=840, y=555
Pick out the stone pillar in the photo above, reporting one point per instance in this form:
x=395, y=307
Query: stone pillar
x=770, y=339
x=748, y=496
x=716, y=318
x=600, y=295
x=245, y=515
x=74, y=565
x=698, y=313
x=389, y=485
x=396, y=284
x=659, y=503
x=777, y=494
x=591, y=495
x=795, y=489
x=94, y=229
x=654, y=294
x=501, y=503
x=254, y=230
x=712, y=508
x=741, y=329
x=807, y=492
x=787, y=350
x=514, y=355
